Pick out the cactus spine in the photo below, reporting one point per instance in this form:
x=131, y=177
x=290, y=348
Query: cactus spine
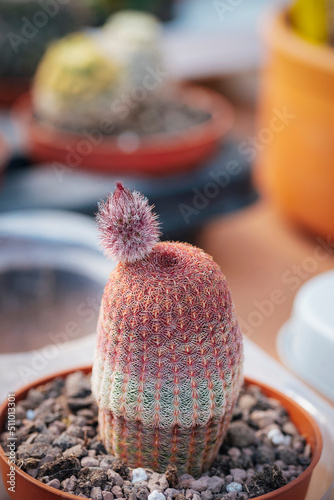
x=168, y=363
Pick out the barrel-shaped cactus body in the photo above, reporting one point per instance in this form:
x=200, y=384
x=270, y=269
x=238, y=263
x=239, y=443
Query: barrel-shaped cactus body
x=168, y=363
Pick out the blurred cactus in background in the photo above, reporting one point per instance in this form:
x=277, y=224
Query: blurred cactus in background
x=28, y=26
x=75, y=83
x=88, y=77
x=168, y=362
x=134, y=38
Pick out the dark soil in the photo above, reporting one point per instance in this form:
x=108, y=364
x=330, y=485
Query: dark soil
x=269, y=480
x=58, y=444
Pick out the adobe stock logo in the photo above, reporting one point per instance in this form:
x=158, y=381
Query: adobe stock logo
x=30, y=27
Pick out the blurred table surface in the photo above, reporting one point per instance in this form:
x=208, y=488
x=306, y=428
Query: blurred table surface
x=260, y=252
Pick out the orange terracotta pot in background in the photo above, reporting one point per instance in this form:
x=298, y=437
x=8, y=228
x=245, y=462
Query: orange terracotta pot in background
x=295, y=166
x=28, y=488
x=156, y=154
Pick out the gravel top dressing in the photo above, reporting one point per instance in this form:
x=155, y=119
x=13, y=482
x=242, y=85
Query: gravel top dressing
x=58, y=444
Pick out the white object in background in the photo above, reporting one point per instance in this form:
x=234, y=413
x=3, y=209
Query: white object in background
x=64, y=243
x=306, y=342
x=215, y=37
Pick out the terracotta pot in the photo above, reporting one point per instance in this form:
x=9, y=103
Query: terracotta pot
x=158, y=154
x=11, y=89
x=295, y=166
x=28, y=488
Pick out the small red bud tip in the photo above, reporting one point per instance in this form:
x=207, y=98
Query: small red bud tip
x=129, y=229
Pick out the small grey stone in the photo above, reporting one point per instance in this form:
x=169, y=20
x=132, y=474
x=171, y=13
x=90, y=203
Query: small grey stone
x=139, y=474
x=290, y=428
x=158, y=482
x=115, y=478
x=107, y=495
x=298, y=444
x=241, y=434
x=20, y=412
x=171, y=492
x=64, y=441
x=215, y=484
x=206, y=495
x=277, y=437
x=234, y=486
x=54, y=451
x=77, y=420
x=117, y=491
x=233, y=495
x=264, y=455
x=34, y=398
x=54, y=483
x=156, y=495
x=190, y=493
x=77, y=385
x=196, y=496
x=89, y=462
x=70, y=483
x=75, y=431
x=77, y=450
x=45, y=438
x=280, y=464
x=246, y=402
x=287, y=474
x=107, y=461
x=76, y=404
x=263, y=418
x=200, y=484
x=289, y=456
x=141, y=491
x=185, y=480
x=32, y=472
x=46, y=460
x=57, y=427
x=239, y=475
x=32, y=450
x=96, y=493
x=234, y=453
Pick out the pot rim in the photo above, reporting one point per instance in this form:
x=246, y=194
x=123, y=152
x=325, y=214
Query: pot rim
x=281, y=37
x=202, y=98
x=316, y=452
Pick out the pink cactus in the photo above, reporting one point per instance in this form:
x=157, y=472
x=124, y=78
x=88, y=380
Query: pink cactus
x=168, y=364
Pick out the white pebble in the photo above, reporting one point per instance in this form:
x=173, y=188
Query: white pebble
x=30, y=414
x=233, y=487
x=277, y=438
x=156, y=495
x=139, y=475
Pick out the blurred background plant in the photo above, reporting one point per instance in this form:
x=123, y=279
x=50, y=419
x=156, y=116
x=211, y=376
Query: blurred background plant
x=84, y=77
